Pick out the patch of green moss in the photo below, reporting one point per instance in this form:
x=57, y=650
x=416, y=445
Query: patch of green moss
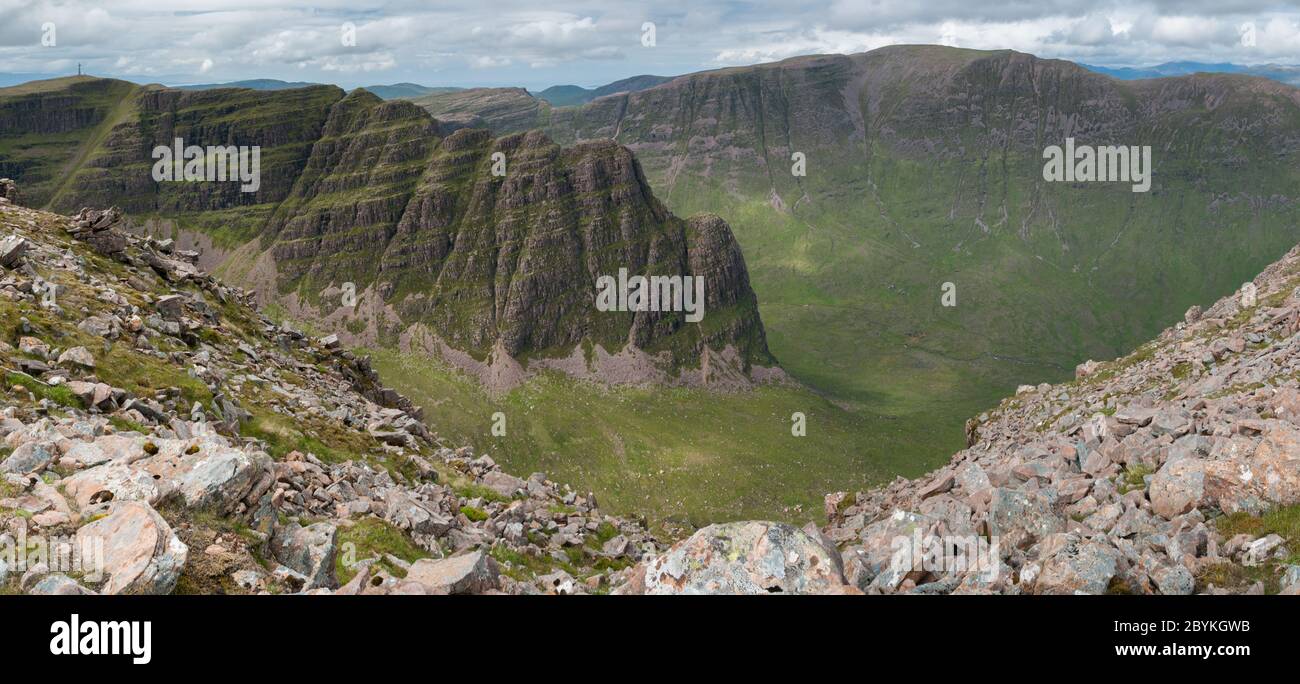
x=282, y=437
x=373, y=538
x=473, y=490
x=58, y=394
x=6, y=488
x=144, y=375
x=474, y=514
x=327, y=439
x=1134, y=477
x=1283, y=521
x=126, y=425
x=604, y=532
x=525, y=567
x=1229, y=575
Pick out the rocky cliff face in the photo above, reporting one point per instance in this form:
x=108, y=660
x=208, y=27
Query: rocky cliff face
x=491, y=269
x=43, y=125
x=565, y=218
x=119, y=170
x=183, y=443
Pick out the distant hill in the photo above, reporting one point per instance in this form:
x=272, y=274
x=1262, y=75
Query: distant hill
x=251, y=84
x=1289, y=75
x=396, y=91
x=407, y=91
x=568, y=95
x=512, y=109
x=13, y=79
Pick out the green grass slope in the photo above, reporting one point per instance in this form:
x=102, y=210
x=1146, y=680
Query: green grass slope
x=679, y=456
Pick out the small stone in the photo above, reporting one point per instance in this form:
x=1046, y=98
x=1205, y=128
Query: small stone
x=1174, y=580
x=472, y=573
x=31, y=345
x=141, y=553
x=309, y=551
x=79, y=356
x=171, y=307
x=31, y=457
x=12, y=249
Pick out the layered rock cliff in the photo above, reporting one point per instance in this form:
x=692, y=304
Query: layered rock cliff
x=484, y=250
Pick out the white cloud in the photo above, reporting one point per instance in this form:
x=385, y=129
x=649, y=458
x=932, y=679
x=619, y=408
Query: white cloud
x=489, y=62
x=522, y=42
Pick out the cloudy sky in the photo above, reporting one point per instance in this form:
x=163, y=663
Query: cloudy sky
x=536, y=44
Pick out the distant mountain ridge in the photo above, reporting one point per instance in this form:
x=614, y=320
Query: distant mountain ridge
x=516, y=109
x=406, y=91
x=252, y=84
x=567, y=95
x=395, y=91
x=1288, y=74
x=560, y=95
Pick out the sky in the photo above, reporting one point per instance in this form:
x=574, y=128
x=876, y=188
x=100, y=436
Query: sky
x=536, y=44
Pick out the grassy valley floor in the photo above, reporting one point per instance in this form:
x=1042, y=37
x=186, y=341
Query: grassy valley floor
x=677, y=456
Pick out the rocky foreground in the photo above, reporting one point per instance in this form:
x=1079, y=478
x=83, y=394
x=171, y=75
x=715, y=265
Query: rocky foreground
x=158, y=435
x=150, y=415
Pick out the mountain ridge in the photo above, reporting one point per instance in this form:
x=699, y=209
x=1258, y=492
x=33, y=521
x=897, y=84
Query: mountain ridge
x=924, y=167
x=340, y=174
x=567, y=95
x=1283, y=73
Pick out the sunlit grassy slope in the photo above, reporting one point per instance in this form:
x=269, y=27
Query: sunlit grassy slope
x=675, y=455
